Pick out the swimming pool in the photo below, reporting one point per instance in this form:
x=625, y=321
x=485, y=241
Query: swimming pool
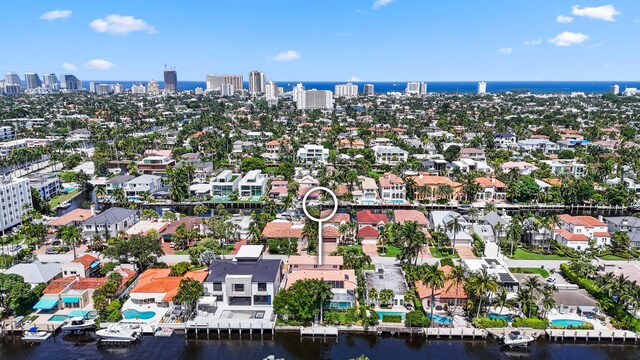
x=68, y=190
x=395, y=201
x=58, y=318
x=383, y=313
x=566, y=322
x=441, y=319
x=138, y=315
x=505, y=317
x=134, y=198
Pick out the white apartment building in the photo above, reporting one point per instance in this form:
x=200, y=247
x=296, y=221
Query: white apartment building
x=416, y=88
x=314, y=100
x=271, y=93
x=227, y=90
x=348, y=90
x=369, y=89
x=15, y=201
x=138, y=89
x=7, y=133
x=235, y=80
x=313, y=153
x=482, y=87
x=390, y=155
x=214, y=82
x=7, y=146
x=253, y=184
x=257, y=83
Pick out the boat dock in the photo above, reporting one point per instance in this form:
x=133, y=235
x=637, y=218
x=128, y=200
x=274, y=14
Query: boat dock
x=456, y=333
x=502, y=332
x=599, y=335
x=319, y=331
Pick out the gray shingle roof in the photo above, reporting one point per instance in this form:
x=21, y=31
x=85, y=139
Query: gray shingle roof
x=265, y=270
x=120, y=179
x=36, y=272
x=111, y=216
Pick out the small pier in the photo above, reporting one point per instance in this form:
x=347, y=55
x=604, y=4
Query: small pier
x=319, y=331
x=560, y=335
x=397, y=330
x=456, y=333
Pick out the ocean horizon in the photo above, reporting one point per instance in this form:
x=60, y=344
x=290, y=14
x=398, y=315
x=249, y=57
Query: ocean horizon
x=432, y=87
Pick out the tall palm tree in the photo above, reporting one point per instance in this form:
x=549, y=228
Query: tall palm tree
x=455, y=226
x=548, y=302
x=482, y=283
x=433, y=278
x=456, y=277
x=473, y=213
x=501, y=297
x=323, y=294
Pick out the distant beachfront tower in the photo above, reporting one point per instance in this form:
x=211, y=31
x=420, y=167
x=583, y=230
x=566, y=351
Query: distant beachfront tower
x=227, y=89
x=348, y=90
x=118, y=88
x=32, y=80
x=257, y=83
x=138, y=89
x=297, y=91
x=170, y=81
x=315, y=100
x=153, y=87
x=615, y=89
x=11, y=78
x=368, y=89
x=50, y=81
x=482, y=87
x=235, y=80
x=271, y=90
x=416, y=88
x=92, y=86
x=214, y=82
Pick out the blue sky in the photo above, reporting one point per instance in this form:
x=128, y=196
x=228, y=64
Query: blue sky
x=326, y=40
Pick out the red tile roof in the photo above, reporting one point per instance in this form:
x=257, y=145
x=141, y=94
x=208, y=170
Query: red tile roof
x=586, y=221
x=337, y=218
x=86, y=260
x=89, y=283
x=402, y=216
x=282, y=229
x=367, y=217
x=368, y=232
x=159, y=281
x=490, y=182
x=425, y=292
x=57, y=285
x=329, y=231
x=601, y=234
x=76, y=215
x=569, y=236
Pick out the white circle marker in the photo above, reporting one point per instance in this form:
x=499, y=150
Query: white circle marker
x=322, y=219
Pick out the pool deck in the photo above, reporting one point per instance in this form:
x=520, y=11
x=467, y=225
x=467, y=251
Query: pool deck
x=597, y=324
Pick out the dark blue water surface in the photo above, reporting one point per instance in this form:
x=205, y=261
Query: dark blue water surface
x=291, y=346
x=438, y=87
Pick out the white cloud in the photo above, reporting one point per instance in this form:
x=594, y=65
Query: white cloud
x=355, y=79
x=505, y=51
x=121, y=25
x=285, y=56
x=68, y=67
x=604, y=12
x=567, y=38
x=380, y=3
x=56, y=14
x=533, y=42
x=99, y=64
x=564, y=19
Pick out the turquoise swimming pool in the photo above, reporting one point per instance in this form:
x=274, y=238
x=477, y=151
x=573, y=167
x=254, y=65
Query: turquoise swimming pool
x=441, y=319
x=58, y=318
x=383, y=313
x=138, y=315
x=505, y=317
x=68, y=190
x=395, y=201
x=566, y=322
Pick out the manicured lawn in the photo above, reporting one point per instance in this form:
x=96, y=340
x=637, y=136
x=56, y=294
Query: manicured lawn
x=61, y=198
x=521, y=254
x=612, y=257
x=390, y=251
x=442, y=252
x=544, y=273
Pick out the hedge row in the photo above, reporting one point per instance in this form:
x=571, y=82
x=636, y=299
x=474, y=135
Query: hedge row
x=531, y=323
x=488, y=323
x=619, y=314
x=390, y=318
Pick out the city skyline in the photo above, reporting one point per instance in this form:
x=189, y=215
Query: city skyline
x=548, y=41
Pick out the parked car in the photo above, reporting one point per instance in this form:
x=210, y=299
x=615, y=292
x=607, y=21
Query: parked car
x=51, y=251
x=56, y=243
x=15, y=247
x=172, y=245
x=550, y=280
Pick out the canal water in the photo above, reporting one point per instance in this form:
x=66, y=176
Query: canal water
x=291, y=346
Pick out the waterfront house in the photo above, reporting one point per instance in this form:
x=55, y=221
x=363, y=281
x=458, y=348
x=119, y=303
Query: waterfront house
x=343, y=284
x=392, y=189
x=155, y=165
x=118, y=182
x=155, y=289
x=74, y=217
x=576, y=232
x=496, y=268
x=83, y=266
x=386, y=277
x=447, y=294
x=35, y=273
x=402, y=216
x=143, y=183
x=225, y=183
x=366, y=217
x=628, y=224
x=492, y=189
x=427, y=186
x=253, y=184
x=313, y=154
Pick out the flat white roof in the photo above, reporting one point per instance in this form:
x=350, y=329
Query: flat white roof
x=249, y=252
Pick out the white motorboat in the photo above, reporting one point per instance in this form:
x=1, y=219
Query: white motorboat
x=35, y=335
x=64, y=204
x=517, y=339
x=163, y=332
x=118, y=333
x=78, y=324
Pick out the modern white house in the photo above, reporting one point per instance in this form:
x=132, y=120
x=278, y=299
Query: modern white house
x=118, y=182
x=247, y=280
x=544, y=145
x=310, y=153
x=143, y=183
x=225, y=183
x=368, y=192
x=109, y=222
x=253, y=184
x=566, y=166
x=390, y=155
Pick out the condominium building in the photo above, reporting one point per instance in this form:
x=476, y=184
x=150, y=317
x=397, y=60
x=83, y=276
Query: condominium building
x=32, y=80
x=313, y=153
x=314, y=100
x=348, y=90
x=482, y=87
x=11, y=78
x=70, y=83
x=47, y=185
x=416, y=88
x=138, y=89
x=368, y=89
x=615, y=89
x=227, y=90
x=271, y=91
x=214, y=82
x=297, y=90
x=7, y=133
x=50, y=81
x=257, y=83
x=15, y=199
x=170, y=81
x=153, y=87
x=235, y=80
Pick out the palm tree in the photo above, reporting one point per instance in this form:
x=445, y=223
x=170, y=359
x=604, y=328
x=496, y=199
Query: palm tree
x=455, y=226
x=489, y=207
x=373, y=295
x=515, y=231
x=101, y=192
x=70, y=235
x=482, y=283
x=523, y=297
x=501, y=297
x=548, y=302
x=410, y=297
x=323, y=294
x=434, y=279
x=457, y=277
x=534, y=288
x=473, y=213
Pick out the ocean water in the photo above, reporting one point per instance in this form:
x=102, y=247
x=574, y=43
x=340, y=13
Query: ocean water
x=437, y=87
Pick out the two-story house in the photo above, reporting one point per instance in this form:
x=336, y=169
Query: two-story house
x=109, y=222
x=491, y=189
x=247, y=280
x=628, y=224
x=118, y=182
x=576, y=232
x=155, y=164
x=392, y=189
x=225, y=183
x=253, y=184
x=142, y=184
x=390, y=155
x=313, y=154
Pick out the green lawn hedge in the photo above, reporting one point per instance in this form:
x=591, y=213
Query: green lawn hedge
x=531, y=323
x=391, y=318
x=416, y=318
x=488, y=323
